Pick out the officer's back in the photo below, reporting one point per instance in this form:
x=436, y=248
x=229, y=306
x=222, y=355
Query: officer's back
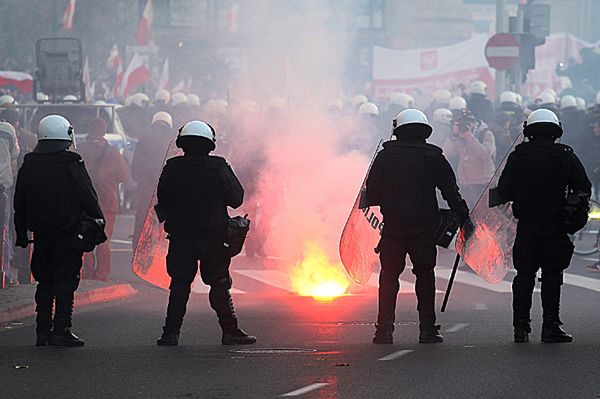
x=196, y=189
x=404, y=177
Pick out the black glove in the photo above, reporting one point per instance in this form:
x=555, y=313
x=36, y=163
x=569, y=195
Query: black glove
x=468, y=228
x=22, y=241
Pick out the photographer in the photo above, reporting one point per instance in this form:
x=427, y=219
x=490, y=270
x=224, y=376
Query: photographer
x=474, y=145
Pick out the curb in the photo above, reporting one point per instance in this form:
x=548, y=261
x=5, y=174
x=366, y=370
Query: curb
x=85, y=298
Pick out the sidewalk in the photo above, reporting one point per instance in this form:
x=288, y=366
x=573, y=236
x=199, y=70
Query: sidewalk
x=18, y=302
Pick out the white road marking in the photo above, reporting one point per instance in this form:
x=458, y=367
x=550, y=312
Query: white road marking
x=396, y=355
x=456, y=327
x=306, y=389
x=591, y=259
x=125, y=242
x=406, y=287
x=577, y=280
x=476, y=281
x=582, y=281
x=271, y=277
x=122, y=250
x=200, y=288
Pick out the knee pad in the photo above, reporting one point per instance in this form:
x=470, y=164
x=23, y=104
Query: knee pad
x=224, y=282
x=424, y=273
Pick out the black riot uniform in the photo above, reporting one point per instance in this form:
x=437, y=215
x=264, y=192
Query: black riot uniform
x=403, y=182
x=53, y=190
x=194, y=191
x=536, y=177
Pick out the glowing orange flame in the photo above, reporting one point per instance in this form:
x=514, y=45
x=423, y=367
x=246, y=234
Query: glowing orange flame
x=317, y=276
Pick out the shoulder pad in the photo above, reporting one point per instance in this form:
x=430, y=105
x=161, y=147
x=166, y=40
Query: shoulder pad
x=565, y=148
x=72, y=155
x=434, y=148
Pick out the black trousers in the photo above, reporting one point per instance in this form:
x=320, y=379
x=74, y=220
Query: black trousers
x=182, y=266
x=56, y=266
x=419, y=243
x=539, y=245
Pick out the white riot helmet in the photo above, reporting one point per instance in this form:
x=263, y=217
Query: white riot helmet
x=163, y=117
x=70, y=98
x=442, y=96
x=178, y=98
x=55, y=127
x=478, y=87
x=39, y=96
x=519, y=99
x=402, y=99
x=508, y=97
x=198, y=129
x=548, y=118
x=411, y=116
x=6, y=99
x=162, y=95
x=550, y=91
x=7, y=128
x=359, y=100
x=598, y=98
x=457, y=103
x=442, y=116
x=140, y=99
x=581, y=105
x=368, y=109
x=220, y=106
x=193, y=99
x=568, y=102
x=546, y=98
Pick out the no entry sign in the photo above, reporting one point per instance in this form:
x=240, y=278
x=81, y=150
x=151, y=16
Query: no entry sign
x=502, y=51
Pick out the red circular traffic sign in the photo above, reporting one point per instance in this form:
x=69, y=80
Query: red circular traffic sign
x=502, y=51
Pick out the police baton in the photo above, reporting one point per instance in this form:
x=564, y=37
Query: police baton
x=449, y=287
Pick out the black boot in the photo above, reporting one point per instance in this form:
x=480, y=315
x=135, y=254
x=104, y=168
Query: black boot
x=222, y=303
x=384, y=334
x=430, y=335
x=64, y=338
x=237, y=337
x=522, y=330
x=42, y=339
x=44, y=300
x=168, y=339
x=553, y=333
x=389, y=286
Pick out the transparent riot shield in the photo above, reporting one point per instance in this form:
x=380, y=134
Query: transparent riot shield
x=360, y=237
x=149, y=257
x=488, y=250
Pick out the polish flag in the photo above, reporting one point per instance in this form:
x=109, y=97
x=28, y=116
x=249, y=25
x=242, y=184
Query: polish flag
x=19, y=80
x=163, y=83
x=142, y=36
x=68, y=16
x=135, y=74
x=114, y=59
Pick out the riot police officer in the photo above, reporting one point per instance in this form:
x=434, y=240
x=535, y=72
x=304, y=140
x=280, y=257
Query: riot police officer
x=53, y=191
x=403, y=182
x=536, y=177
x=194, y=191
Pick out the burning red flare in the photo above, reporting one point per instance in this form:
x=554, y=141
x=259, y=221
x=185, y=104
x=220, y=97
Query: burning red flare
x=316, y=276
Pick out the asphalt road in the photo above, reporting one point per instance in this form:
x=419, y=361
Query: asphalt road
x=334, y=356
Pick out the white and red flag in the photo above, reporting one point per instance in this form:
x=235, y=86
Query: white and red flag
x=116, y=91
x=163, y=83
x=114, y=58
x=69, y=15
x=142, y=36
x=19, y=80
x=135, y=74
